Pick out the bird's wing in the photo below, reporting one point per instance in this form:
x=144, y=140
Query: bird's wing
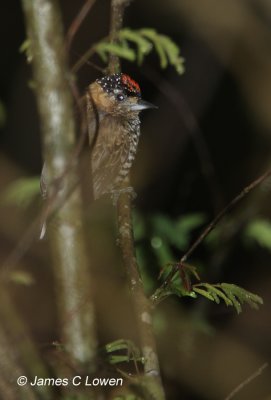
x=92, y=118
x=110, y=153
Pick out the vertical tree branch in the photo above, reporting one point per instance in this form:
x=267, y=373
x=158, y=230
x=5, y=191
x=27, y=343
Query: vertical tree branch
x=116, y=21
x=141, y=303
x=44, y=27
x=126, y=239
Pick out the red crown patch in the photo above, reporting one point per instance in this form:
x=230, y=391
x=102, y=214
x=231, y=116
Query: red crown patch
x=132, y=85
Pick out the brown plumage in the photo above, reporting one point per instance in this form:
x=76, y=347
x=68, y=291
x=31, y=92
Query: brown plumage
x=113, y=106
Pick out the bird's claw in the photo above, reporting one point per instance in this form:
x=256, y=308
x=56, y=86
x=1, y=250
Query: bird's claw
x=115, y=194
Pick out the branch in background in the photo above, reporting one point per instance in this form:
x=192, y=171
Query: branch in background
x=84, y=59
x=20, y=249
x=247, y=381
x=208, y=229
x=67, y=241
x=75, y=25
x=222, y=213
x=126, y=239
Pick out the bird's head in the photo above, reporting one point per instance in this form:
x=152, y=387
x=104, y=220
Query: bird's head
x=118, y=95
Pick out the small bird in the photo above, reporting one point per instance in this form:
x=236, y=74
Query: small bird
x=113, y=106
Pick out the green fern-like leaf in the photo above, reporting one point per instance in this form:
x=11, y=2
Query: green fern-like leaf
x=152, y=35
x=218, y=294
x=242, y=295
x=231, y=294
x=175, y=287
x=21, y=192
x=144, y=46
x=204, y=293
x=145, y=41
x=173, y=54
x=167, y=50
x=104, y=49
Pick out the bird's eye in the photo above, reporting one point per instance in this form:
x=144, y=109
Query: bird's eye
x=120, y=97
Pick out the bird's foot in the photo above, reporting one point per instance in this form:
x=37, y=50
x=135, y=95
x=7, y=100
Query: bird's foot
x=115, y=194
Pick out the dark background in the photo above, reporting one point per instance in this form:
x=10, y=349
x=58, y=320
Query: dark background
x=209, y=138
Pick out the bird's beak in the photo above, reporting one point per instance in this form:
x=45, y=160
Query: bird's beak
x=142, y=105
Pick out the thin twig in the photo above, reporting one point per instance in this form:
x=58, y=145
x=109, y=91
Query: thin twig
x=208, y=229
x=222, y=213
x=76, y=23
x=247, y=381
x=95, y=66
x=82, y=60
